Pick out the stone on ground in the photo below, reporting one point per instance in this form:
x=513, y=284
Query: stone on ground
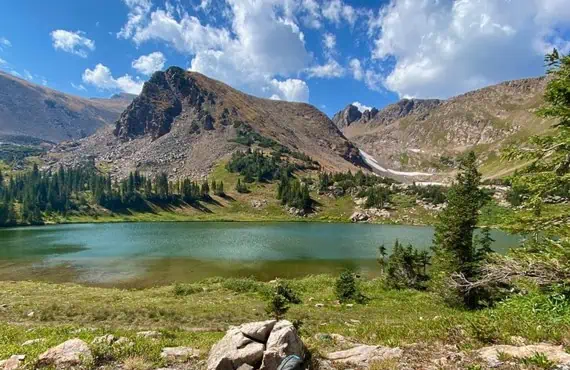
x=32, y=342
x=258, y=331
x=149, y=334
x=13, y=363
x=234, y=350
x=362, y=355
x=554, y=353
x=68, y=354
x=179, y=354
x=108, y=339
x=282, y=342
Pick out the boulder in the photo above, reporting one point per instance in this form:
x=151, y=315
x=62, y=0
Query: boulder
x=68, y=354
x=105, y=340
x=234, y=350
x=258, y=331
x=359, y=217
x=362, y=355
x=179, y=354
x=554, y=353
x=12, y=363
x=282, y=342
x=245, y=367
x=149, y=334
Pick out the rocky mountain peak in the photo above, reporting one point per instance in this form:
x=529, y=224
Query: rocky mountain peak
x=161, y=101
x=345, y=117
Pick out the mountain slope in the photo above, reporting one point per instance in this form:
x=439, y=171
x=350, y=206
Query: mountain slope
x=426, y=135
x=183, y=123
x=33, y=111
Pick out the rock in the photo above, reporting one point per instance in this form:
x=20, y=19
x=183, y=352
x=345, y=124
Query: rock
x=12, y=363
x=105, y=339
x=319, y=305
x=149, y=334
x=554, y=353
x=517, y=340
x=362, y=355
x=31, y=314
x=282, y=342
x=258, y=331
x=179, y=354
x=122, y=341
x=234, y=350
x=359, y=217
x=68, y=354
x=245, y=367
x=33, y=341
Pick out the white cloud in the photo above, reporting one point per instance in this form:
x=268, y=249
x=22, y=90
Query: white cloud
x=335, y=11
x=361, y=107
x=329, y=41
x=329, y=70
x=148, y=64
x=262, y=44
x=291, y=90
x=28, y=76
x=456, y=46
x=138, y=9
x=2, y=61
x=372, y=79
x=102, y=78
x=79, y=87
x=4, y=43
x=72, y=42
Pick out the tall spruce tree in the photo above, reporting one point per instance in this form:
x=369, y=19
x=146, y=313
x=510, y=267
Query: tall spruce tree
x=455, y=253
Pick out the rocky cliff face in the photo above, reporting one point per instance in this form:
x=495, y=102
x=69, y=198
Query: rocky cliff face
x=422, y=134
x=33, y=111
x=183, y=123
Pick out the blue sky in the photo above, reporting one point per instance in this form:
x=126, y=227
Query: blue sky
x=327, y=52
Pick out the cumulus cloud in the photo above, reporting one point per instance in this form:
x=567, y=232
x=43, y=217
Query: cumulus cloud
x=138, y=9
x=262, y=44
x=337, y=11
x=102, y=78
x=329, y=41
x=361, y=107
x=148, y=64
x=329, y=70
x=373, y=79
x=455, y=46
x=72, y=42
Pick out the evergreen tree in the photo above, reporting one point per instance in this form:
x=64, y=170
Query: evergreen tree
x=454, y=251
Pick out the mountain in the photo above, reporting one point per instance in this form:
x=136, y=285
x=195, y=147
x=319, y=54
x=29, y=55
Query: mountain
x=183, y=123
x=427, y=134
x=35, y=112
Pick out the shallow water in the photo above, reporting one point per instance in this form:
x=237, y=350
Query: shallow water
x=147, y=254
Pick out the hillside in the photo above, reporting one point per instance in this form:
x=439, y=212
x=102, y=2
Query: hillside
x=183, y=123
x=426, y=135
x=33, y=112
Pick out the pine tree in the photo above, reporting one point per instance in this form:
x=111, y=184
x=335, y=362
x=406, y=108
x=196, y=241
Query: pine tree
x=454, y=251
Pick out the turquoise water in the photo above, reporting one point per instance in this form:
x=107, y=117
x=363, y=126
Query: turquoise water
x=143, y=254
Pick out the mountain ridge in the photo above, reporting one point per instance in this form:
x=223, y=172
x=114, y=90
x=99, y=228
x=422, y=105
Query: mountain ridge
x=38, y=112
x=183, y=123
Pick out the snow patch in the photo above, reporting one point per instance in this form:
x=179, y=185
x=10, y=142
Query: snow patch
x=373, y=163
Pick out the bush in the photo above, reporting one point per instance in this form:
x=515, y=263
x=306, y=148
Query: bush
x=277, y=306
x=347, y=290
x=407, y=267
x=282, y=288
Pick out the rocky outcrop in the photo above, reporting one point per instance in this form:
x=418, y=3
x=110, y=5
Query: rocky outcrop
x=73, y=352
x=258, y=345
x=13, y=363
x=363, y=355
x=555, y=354
x=183, y=123
x=345, y=117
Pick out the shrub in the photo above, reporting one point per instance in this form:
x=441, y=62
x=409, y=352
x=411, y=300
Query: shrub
x=282, y=288
x=347, y=289
x=407, y=267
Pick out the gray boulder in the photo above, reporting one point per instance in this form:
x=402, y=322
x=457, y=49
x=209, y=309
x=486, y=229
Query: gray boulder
x=179, y=354
x=234, y=350
x=282, y=342
x=258, y=331
x=12, y=363
x=68, y=354
x=362, y=355
x=554, y=353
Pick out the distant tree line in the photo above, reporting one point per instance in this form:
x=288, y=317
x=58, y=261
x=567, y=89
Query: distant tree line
x=27, y=197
